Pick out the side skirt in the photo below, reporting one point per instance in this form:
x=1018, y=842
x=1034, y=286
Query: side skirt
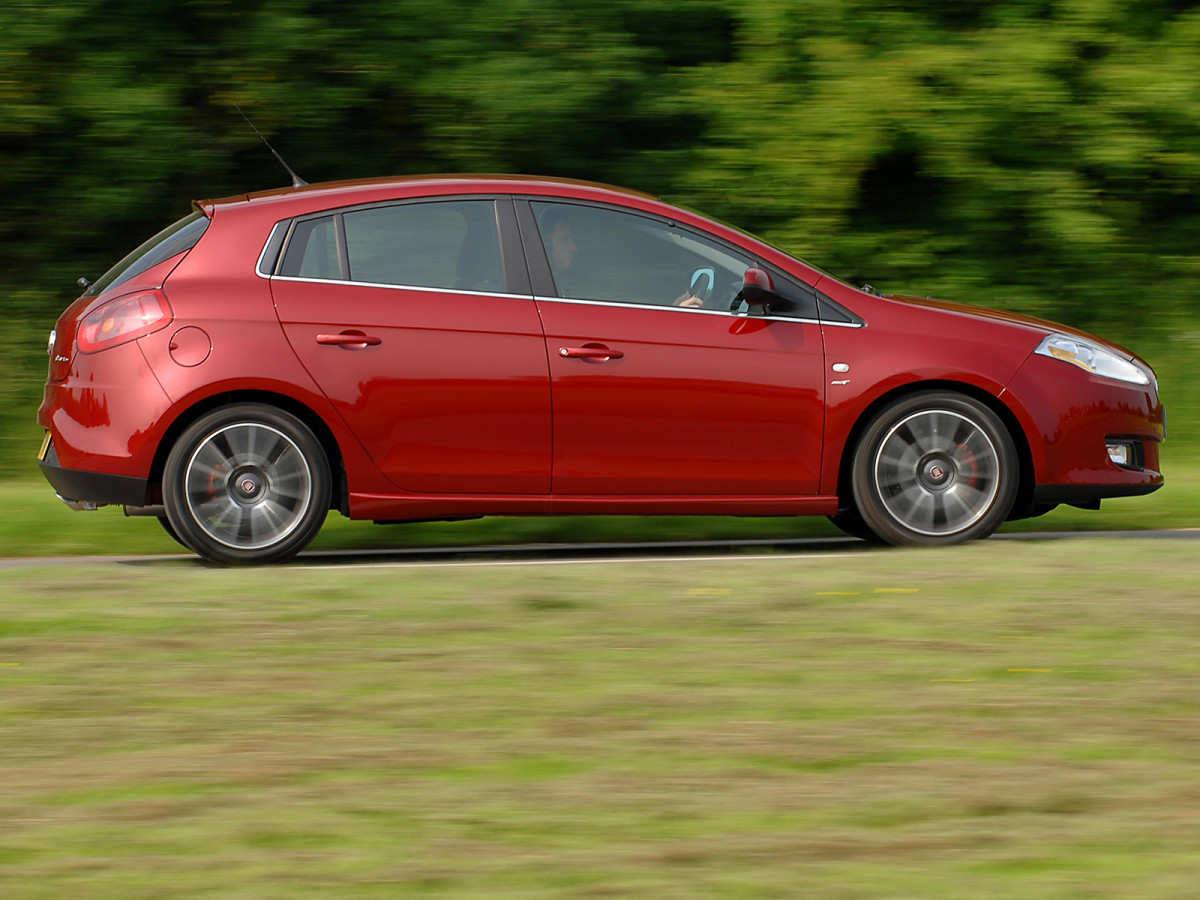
x=413, y=507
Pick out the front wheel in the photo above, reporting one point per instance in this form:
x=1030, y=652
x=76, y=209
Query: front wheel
x=851, y=523
x=247, y=484
x=935, y=468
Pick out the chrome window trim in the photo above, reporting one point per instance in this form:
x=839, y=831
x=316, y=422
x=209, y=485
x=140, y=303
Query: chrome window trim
x=398, y=287
x=540, y=299
x=337, y=212
x=258, y=266
x=691, y=309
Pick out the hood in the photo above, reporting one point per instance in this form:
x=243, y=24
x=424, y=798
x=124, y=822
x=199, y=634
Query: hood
x=1042, y=326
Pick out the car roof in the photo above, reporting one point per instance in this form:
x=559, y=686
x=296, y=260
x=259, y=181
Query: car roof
x=367, y=190
x=282, y=203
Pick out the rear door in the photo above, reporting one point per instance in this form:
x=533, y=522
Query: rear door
x=423, y=334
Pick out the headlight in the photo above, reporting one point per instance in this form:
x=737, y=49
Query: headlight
x=1091, y=358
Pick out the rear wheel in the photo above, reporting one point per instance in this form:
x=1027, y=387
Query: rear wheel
x=170, y=529
x=247, y=484
x=935, y=468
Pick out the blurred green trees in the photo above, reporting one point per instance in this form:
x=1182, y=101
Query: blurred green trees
x=1042, y=155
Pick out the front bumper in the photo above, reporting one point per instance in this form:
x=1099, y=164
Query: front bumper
x=1088, y=496
x=1072, y=418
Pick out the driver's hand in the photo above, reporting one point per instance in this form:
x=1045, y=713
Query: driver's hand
x=689, y=300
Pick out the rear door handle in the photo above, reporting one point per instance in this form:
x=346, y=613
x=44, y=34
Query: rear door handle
x=590, y=351
x=350, y=339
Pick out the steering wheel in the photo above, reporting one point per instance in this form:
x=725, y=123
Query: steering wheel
x=700, y=284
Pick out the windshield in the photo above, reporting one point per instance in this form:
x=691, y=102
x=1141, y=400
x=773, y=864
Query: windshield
x=171, y=241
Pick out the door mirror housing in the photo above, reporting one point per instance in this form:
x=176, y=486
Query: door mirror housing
x=758, y=289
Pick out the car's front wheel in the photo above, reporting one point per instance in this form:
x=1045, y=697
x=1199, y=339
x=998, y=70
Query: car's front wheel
x=247, y=484
x=935, y=468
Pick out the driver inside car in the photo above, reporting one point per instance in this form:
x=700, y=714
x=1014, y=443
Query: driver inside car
x=699, y=289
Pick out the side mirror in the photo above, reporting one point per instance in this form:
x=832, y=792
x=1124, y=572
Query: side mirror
x=758, y=289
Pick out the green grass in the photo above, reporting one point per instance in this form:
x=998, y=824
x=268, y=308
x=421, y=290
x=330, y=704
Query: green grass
x=1005, y=719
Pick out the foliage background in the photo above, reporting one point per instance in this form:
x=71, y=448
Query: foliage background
x=1041, y=155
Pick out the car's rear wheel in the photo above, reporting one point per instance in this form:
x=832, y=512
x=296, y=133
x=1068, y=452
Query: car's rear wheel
x=935, y=468
x=170, y=529
x=247, y=484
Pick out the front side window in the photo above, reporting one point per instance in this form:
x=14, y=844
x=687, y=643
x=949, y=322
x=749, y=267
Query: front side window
x=604, y=254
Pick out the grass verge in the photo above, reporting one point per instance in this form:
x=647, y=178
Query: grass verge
x=35, y=523
x=878, y=724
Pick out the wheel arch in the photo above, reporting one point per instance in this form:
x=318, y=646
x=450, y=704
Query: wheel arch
x=1023, y=505
x=322, y=432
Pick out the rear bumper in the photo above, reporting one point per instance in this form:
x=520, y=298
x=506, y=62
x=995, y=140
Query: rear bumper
x=90, y=489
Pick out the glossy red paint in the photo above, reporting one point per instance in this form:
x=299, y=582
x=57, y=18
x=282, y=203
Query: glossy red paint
x=454, y=399
x=697, y=405
x=1071, y=437
x=104, y=417
x=902, y=347
x=515, y=399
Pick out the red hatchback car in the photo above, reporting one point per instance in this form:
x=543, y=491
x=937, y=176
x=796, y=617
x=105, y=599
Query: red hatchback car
x=446, y=347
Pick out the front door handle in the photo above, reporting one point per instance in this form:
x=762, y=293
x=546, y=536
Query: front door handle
x=350, y=339
x=590, y=351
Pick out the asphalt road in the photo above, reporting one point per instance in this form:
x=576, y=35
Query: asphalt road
x=564, y=554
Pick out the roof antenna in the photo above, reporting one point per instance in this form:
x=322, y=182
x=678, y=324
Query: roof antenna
x=297, y=181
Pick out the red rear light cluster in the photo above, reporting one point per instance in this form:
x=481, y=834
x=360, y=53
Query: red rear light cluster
x=123, y=319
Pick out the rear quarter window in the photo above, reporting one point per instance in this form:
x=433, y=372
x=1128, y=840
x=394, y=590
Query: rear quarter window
x=313, y=251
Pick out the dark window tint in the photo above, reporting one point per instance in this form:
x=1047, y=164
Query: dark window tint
x=171, y=241
x=452, y=244
x=799, y=300
x=270, y=255
x=312, y=251
x=832, y=312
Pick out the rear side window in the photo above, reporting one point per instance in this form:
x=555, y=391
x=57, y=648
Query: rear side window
x=171, y=241
x=453, y=245
x=447, y=244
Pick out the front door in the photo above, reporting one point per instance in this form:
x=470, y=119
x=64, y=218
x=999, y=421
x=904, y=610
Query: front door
x=659, y=387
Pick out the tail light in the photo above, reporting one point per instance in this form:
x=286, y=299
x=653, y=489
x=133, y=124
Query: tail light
x=123, y=319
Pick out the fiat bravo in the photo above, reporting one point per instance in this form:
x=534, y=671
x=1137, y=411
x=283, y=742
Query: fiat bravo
x=453, y=347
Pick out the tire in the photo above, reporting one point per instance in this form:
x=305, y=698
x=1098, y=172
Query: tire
x=935, y=468
x=851, y=523
x=170, y=529
x=247, y=484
